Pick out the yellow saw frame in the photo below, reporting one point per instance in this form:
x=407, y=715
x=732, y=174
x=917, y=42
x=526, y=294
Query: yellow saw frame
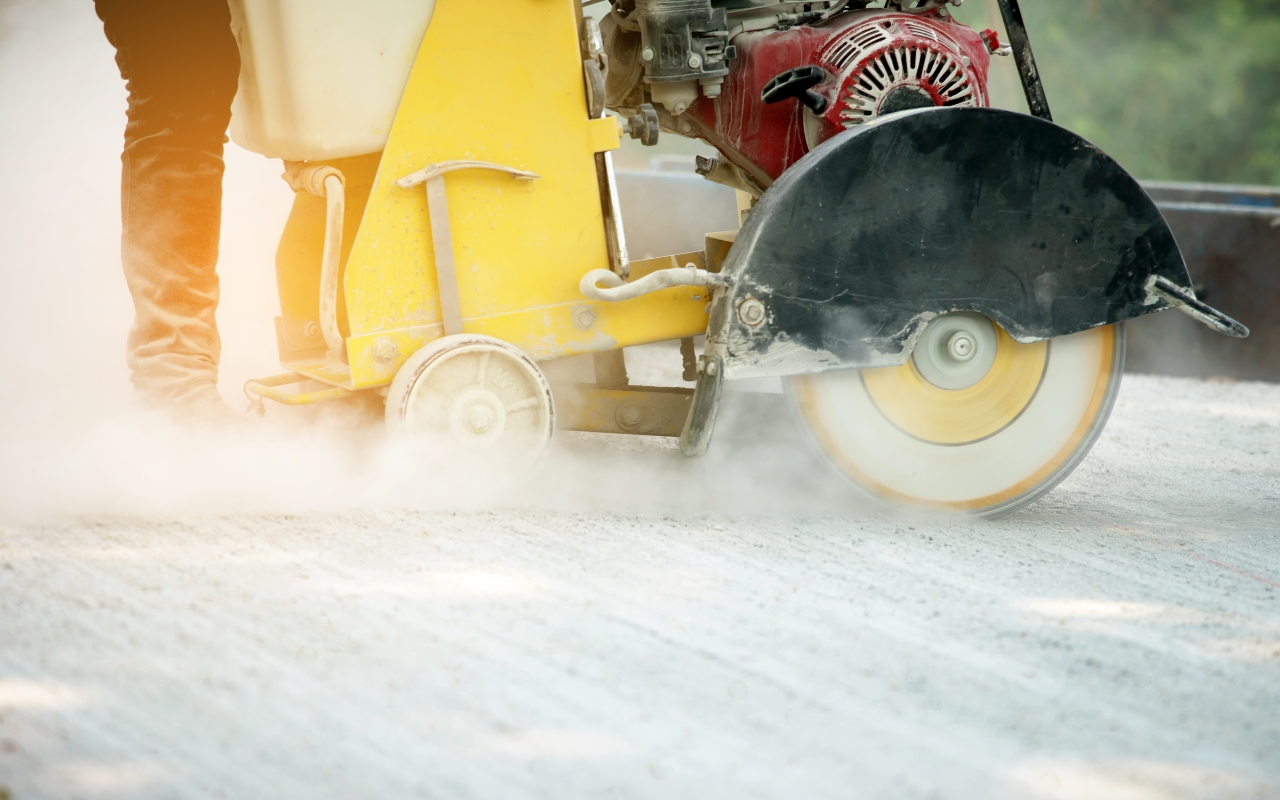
x=519, y=204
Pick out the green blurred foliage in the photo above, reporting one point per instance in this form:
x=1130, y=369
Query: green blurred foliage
x=1173, y=89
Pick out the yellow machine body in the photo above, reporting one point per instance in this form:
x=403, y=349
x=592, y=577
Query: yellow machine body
x=509, y=92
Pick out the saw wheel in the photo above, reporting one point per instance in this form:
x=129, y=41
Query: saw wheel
x=476, y=392
x=973, y=422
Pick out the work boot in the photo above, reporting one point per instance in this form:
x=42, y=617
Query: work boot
x=201, y=407
x=181, y=64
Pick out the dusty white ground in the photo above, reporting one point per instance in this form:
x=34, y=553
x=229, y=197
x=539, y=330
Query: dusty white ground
x=1120, y=639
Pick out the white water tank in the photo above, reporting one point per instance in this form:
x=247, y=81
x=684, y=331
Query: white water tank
x=322, y=79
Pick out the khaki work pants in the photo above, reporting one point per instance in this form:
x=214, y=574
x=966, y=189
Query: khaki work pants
x=181, y=64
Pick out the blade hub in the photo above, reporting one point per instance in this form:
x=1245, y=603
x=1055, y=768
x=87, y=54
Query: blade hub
x=956, y=350
x=478, y=415
x=480, y=418
x=961, y=347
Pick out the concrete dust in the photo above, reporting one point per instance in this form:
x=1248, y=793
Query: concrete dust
x=140, y=464
x=1119, y=639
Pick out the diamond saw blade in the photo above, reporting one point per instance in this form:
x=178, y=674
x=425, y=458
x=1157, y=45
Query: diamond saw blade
x=973, y=422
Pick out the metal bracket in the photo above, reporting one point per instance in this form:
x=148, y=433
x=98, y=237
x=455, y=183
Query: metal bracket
x=619, y=258
x=1020, y=43
x=260, y=389
x=1185, y=300
x=1221, y=208
x=696, y=436
x=441, y=235
x=642, y=410
x=328, y=182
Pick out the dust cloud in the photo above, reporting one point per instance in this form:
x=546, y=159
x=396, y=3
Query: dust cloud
x=71, y=443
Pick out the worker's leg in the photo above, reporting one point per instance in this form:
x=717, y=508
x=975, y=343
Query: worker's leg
x=181, y=64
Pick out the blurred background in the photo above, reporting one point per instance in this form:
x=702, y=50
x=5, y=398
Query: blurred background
x=1185, y=90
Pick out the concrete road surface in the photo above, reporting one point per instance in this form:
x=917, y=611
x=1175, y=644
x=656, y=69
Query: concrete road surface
x=627, y=625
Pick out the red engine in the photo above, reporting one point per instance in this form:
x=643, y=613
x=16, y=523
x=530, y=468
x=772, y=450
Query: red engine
x=872, y=62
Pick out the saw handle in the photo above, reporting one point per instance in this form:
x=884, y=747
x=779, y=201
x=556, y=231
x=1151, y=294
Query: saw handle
x=797, y=83
x=615, y=289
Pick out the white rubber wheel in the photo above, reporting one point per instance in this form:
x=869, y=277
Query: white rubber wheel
x=974, y=422
x=476, y=392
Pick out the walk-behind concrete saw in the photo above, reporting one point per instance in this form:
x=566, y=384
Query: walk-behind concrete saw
x=941, y=285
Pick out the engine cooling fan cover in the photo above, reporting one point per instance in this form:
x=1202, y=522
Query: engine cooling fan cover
x=897, y=62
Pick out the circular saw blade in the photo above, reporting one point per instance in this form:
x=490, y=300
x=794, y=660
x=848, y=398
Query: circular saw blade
x=985, y=450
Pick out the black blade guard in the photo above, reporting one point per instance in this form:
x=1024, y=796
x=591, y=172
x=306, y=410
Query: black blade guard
x=856, y=247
